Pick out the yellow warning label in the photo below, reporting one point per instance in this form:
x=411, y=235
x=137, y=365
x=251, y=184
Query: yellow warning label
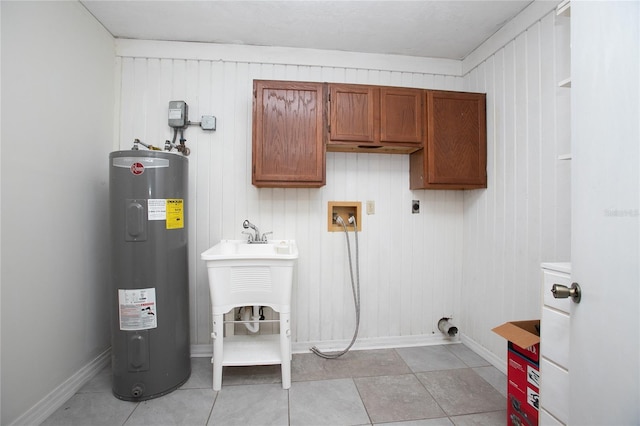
x=175, y=213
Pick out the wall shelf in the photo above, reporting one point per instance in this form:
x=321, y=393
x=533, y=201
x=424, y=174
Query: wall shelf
x=564, y=8
x=563, y=11
x=565, y=83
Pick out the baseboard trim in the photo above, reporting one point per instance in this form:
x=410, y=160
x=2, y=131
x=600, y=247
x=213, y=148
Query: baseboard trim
x=57, y=397
x=496, y=361
x=375, y=343
x=201, y=351
x=361, y=344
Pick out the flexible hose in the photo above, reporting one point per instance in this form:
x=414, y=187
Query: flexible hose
x=355, y=287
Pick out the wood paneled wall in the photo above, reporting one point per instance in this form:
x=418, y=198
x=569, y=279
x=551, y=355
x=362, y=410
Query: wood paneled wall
x=523, y=218
x=411, y=264
x=474, y=255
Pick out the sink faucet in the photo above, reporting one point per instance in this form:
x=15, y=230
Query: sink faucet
x=254, y=238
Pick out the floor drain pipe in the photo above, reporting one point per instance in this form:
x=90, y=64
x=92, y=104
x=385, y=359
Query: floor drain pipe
x=447, y=328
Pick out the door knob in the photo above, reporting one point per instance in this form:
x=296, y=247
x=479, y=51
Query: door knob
x=562, y=292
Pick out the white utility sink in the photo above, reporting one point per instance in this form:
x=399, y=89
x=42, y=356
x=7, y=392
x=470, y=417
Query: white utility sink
x=241, y=249
x=243, y=274
x=258, y=274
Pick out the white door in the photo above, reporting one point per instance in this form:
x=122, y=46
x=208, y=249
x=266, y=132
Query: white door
x=605, y=327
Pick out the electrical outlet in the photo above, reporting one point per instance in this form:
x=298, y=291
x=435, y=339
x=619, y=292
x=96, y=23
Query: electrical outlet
x=371, y=207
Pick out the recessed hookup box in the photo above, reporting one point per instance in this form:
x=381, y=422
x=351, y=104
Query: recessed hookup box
x=344, y=209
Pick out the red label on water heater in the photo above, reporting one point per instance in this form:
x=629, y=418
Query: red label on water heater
x=137, y=168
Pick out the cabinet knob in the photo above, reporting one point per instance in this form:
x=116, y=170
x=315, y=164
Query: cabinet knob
x=562, y=292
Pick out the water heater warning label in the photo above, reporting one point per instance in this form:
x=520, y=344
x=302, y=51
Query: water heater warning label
x=137, y=309
x=170, y=210
x=175, y=213
x=157, y=209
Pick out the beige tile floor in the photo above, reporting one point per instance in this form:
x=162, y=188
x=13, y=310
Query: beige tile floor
x=418, y=386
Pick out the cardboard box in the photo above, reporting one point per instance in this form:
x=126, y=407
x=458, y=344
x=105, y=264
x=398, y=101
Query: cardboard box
x=523, y=373
x=523, y=337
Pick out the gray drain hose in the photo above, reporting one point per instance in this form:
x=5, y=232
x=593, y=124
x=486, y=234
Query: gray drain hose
x=355, y=287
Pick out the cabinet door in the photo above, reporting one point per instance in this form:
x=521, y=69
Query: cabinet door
x=457, y=141
x=455, y=152
x=401, y=115
x=288, y=145
x=354, y=113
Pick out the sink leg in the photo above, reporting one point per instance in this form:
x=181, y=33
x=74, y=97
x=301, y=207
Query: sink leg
x=285, y=349
x=218, y=338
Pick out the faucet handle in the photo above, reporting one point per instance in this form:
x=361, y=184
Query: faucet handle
x=264, y=236
x=250, y=236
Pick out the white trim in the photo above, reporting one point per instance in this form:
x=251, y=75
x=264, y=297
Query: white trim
x=284, y=56
x=530, y=15
x=376, y=343
x=361, y=344
x=57, y=397
x=485, y=353
x=117, y=101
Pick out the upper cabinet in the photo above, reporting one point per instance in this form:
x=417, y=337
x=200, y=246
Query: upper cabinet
x=295, y=123
x=375, y=119
x=355, y=113
x=402, y=115
x=455, y=148
x=288, y=134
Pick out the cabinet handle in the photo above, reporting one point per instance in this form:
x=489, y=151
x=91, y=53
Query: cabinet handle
x=562, y=292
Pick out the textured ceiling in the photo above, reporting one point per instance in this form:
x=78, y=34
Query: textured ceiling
x=437, y=29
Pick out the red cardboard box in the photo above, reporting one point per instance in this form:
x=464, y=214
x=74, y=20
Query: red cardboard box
x=523, y=373
x=523, y=394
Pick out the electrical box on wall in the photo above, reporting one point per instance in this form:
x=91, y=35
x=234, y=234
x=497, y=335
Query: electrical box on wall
x=178, y=114
x=344, y=209
x=208, y=122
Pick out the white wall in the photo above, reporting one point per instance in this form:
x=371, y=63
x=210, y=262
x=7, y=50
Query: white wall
x=523, y=218
x=57, y=130
x=410, y=263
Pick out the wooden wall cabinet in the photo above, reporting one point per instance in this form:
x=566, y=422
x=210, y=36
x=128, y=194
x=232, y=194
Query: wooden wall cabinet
x=354, y=113
x=375, y=119
x=455, y=148
x=288, y=134
x=294, y=125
